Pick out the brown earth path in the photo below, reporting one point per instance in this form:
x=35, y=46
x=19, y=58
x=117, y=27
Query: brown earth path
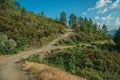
x=11, y=70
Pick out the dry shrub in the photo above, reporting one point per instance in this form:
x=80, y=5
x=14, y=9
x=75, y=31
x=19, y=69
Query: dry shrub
x=44, y=72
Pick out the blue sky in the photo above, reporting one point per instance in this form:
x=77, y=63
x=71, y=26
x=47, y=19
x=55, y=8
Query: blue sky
x=101, y=11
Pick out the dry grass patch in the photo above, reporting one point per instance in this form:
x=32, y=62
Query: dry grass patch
x=3, y=56
x=44, y=72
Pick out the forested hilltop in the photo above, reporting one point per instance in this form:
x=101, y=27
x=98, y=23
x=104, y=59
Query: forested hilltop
x=20, y=29
x=85, y=30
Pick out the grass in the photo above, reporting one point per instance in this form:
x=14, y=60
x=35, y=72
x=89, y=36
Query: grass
x=104, y=41
x=45, y=72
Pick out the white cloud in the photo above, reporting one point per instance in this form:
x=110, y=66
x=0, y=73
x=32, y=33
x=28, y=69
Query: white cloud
x=117, y=22
x=97, y=18
x=115, y=12
x=107, y=18
x=102, y=6
x=102, y=11
x=102, y=3
x=108, y=1
x=84, y=13
x=115, y=4
x=90, y=9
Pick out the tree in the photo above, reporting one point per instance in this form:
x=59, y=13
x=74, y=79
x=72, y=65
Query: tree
x=73, y=20
x=63, y=18
x=80, y=21
x=42, y=13
x=4, y=4
x=104, y=28
x=23, y=11
x=17, y=5
x=117, y=38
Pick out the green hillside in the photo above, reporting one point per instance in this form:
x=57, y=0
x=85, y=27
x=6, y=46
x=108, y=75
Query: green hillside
x=93, y=63
x=20, y=29
x=85, y=30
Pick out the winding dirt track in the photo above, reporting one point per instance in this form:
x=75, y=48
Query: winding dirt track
x=11, y=70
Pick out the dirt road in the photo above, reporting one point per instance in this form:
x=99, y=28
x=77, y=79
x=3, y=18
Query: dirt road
x=11, y=70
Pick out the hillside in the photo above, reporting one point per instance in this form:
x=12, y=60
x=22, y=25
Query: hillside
x=86, y=31
x=48, y=50
x=21, y=29
x=98, y=62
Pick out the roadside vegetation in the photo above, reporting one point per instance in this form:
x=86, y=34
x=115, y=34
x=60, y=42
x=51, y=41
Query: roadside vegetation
x=20, y=29
x=93, y=62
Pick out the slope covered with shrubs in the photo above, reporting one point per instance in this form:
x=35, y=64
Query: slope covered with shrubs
x=117, y=39
x=86, y=31
x=92, y=63
x=26, y=29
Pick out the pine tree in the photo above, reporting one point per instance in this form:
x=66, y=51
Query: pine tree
x=42, y=13
x=63, y=18
x=104, y=28
x=73, y=20
x=117, y=38
x=4, y=4
x=17, y=5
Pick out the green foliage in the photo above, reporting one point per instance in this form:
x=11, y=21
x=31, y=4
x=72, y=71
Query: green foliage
x=85, y=31
x=117, y=39
x=35, y=59
x=42, y=13
x=83, y=37
x=93, y=47
x=63, y=19
x=104, y=28
x=72, y=20
x=88, y=63
x=106, y=46
x=27, y=28
x=90, y=74
x=7, y=45
x=65, y=42
x=21, y=41
x=4, y=4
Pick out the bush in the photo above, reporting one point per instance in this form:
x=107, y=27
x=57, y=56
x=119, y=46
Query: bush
x=69, y=42
x=7, y=46
x=88, y=63
x=65, y=42
x=34, y=58
x=90, y=74
x=117, y=39
x=93, y=47
x=106, y=46
x=21, y=42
